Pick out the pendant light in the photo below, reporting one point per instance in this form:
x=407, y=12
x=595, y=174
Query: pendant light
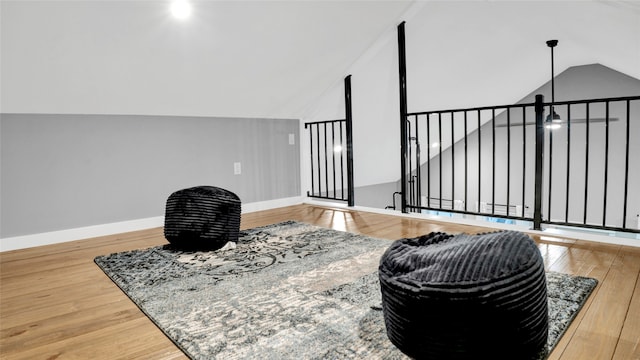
x=553, y=120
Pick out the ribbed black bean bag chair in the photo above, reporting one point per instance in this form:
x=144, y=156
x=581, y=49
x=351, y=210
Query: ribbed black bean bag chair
x=202, y=218
x=465, y=296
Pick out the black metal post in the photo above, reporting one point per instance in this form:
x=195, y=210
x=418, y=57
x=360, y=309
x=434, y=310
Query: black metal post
x=410, y=197
x=493, y=162
x=586, y=166
x=428, y=160
x=524, y=157
x=537, y=207
x=551, y=44
x=343, y=146
x=508, y=159
x=349, y=117
x=419, y=162
x=311, y=162
x=326, y=162
x=626, y=171
x=402, y=65
x=568, y=173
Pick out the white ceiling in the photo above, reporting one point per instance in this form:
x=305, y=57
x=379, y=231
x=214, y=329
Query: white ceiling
x=495, y=52
x=277, y=58
x=231, y=58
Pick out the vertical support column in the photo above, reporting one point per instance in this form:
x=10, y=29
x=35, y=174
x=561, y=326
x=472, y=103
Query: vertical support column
x=626, y=170
x=524, y=157
x=418, y=166
x=349, y=118
x=313, y=190
x=537, y=206
x=402, y=65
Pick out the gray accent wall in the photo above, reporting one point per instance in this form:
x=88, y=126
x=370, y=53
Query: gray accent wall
x=378, y=195
x=67, y=171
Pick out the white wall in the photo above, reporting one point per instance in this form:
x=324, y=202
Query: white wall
x=465, y=54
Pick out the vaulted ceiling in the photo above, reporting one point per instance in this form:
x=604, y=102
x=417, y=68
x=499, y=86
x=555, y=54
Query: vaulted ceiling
x=230, y=58
x=277, y=58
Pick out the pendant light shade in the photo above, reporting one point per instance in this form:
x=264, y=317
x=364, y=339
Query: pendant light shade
x=553, y=120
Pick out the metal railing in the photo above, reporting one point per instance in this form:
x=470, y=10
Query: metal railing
x=331, y=151
x=461, y=160
x=505, y=155
x=590, y=167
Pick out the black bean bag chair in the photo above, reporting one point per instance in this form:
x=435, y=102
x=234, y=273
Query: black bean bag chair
x=465, y=296
x=202, y=218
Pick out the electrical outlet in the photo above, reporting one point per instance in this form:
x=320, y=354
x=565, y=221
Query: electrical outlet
x=292, y=139
x=237, y=168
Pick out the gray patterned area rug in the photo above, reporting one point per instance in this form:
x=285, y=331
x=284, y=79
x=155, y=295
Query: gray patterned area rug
x=286, y=291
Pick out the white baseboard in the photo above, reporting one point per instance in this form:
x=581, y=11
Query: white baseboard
x=271, y=204
x=549, y=233
x=54, y=237
x=86, y=232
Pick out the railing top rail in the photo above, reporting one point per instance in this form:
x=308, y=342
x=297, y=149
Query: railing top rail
x=470, y=109
x=323, y=122
x=493, y=107
x=611, y=99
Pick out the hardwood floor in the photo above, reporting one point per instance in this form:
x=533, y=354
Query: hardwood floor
x=55, y=303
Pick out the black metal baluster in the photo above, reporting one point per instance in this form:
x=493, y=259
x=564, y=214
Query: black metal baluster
x=311, y=162
x=466, y=162
x=508, y=157
x=453, y=164
x=419, y=165
x=606, y=164
x=428, y=160
x=586, y=166
x=479, y=162
x=524, y=156
x=440, y=158
x=539, y=166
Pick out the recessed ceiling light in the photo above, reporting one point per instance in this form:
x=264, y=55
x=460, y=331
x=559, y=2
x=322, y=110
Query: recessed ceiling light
x=180, y=9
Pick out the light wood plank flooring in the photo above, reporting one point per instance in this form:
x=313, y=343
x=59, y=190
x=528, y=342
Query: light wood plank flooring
x=55, y=303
